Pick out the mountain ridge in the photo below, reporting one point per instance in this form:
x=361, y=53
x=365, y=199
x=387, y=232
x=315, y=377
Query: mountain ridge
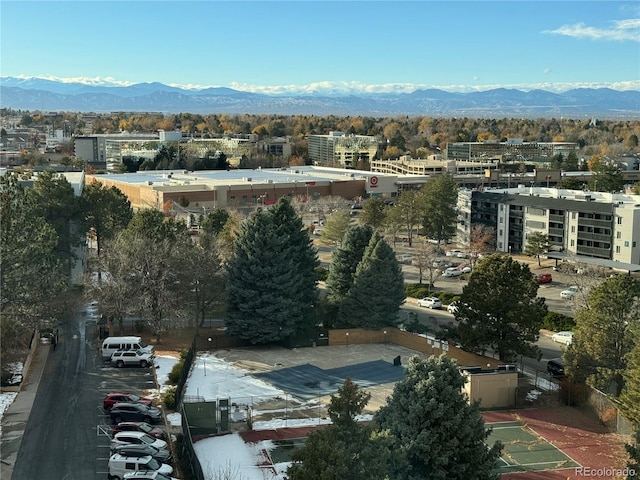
x=49, y=95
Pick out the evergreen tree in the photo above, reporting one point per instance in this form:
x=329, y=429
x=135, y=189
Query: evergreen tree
x=214, y=221
x=630, y=396
x=439, y=434
x=56, y=202
x=271, y=282
x=344, y=449
x=105, y=211
x=378, y=289
x=537, y=244
x=633, y=449
x=500, y=310
x=345, y=260
x=439, y=207
x=31, y=273
x=603, y=335
x=304, y=255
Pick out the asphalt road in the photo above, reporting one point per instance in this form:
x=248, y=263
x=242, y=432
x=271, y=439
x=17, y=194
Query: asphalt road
x=65, y=435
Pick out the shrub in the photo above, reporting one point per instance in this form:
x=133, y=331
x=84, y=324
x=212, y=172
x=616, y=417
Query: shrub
x=169, y=398
x=176, y=372
x=417, y=290
x=557, y=322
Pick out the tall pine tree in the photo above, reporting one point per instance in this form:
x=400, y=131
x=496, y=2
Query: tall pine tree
x=378, y=289
x=271, y=280
x=345, y=260
x=345, y=449
x=439, y=434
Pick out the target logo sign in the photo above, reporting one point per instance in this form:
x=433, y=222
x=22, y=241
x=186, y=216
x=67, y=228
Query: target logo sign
x=373, y=181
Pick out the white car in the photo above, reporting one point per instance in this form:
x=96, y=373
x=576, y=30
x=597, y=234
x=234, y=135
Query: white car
x=452, y=272
x=430, y=302
x=137, y=438
x=452, y=307
x=565, y=338
x=119, y=466
x=134, y=358
x=570, y=292
x=453, y=253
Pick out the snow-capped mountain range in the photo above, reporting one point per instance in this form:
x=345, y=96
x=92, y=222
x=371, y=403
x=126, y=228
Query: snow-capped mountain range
x=48, y=95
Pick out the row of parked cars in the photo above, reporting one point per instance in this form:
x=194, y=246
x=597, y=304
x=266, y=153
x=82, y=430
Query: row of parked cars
x=140, y=449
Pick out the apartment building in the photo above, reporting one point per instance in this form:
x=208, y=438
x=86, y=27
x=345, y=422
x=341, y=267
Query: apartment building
x=340, y=150
x=579, y=223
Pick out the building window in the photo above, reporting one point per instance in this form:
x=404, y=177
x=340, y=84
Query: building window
x=617, y=248
x=573, y=229
x=633, y=244
x=500, y=232
x=619, y=220
x=573, y=243
x=573, y=215
x=626, y=244
x=618, y=235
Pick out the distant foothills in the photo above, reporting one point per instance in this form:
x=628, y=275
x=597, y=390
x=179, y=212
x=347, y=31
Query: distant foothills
x=47, y=95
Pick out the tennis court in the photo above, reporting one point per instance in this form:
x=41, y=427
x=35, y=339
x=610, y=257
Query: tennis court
x=525, y=451
x=308, y=381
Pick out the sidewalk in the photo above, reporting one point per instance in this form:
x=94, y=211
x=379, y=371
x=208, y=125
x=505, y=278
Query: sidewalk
x=14, y=420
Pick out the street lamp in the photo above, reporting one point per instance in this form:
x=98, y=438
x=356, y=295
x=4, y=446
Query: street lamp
x=385, y=337
x=347, y=334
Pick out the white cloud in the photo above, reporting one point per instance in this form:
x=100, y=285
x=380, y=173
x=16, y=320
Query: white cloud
x=620, y=30
x=359, y=88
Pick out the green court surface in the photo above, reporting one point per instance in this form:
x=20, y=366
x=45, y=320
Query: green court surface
x=525, y=451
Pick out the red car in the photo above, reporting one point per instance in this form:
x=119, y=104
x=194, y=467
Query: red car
x=113, y=398
x=155, y=432
x=543, y=278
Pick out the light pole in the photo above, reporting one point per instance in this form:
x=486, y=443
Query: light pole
x=347, y=334
x=385, y=337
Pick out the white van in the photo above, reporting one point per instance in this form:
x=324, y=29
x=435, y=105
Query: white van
x=113, y=344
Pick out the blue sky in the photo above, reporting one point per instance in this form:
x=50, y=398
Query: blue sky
x=298, y=46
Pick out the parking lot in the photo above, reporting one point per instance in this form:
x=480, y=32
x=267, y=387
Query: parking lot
x=127, y=380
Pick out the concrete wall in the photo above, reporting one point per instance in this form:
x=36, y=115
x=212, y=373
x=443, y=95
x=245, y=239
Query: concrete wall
x=412, y=341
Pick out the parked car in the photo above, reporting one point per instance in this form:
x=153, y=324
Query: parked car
x=120, y=465
x=112, y=398
x=453, y=307
x=570, y=292
x=555, y=367
x=430, y=302
x=137, y=438
x=134, y=412
x=156, y=432
x=134, y=358
x=452, y=272
x=134, y=450
x=453, y=253
x=356, y=206
x=146, y=475
x=543, y=278
x=565, y=338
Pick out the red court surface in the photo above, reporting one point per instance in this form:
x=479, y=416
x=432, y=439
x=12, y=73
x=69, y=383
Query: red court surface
x=580, y=436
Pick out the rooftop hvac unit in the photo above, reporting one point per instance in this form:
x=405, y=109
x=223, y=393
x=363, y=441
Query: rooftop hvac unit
x=269, y=181
x=150, y=182
x=246, y=179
